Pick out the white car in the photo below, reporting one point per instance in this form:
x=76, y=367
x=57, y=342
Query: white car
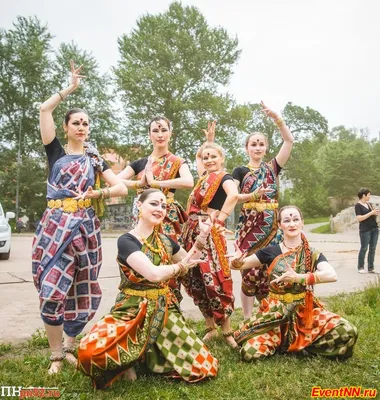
x=5, y=234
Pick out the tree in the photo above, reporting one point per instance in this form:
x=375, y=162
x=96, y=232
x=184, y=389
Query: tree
x=174, y=64
x=94, y=95
x=30, y=73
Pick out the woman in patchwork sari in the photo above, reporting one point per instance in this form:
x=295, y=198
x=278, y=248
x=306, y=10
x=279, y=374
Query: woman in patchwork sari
x=290, y=318
x=258, y=184
x=146, y=324
x=210, y=283
x=67, y=254
x=162, y=170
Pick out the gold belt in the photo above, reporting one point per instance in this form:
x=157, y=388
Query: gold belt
x=287, y=297
x=69, y=204
x=151, y=294
x=260, y=206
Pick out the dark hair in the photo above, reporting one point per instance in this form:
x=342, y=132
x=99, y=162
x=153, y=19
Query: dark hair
x=146, y=193
x=73, y=111
x=159, y=118
x=363, y=192
x=257, y=133
x=286, y=208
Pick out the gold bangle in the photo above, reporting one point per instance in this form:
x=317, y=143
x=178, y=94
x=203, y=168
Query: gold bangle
x=224, y=213
x=61, y=96
x=155, y=185
x=136, y=186
x=279, y=122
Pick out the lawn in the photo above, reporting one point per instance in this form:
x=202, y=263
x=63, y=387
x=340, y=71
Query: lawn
x=280, y=377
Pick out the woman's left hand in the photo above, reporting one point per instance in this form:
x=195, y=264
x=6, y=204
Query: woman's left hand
x=268, y=112
x=90, y=193
x=206, y=225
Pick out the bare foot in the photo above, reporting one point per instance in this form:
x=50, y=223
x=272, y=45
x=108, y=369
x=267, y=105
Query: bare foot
x=231, y=341
x=210, y=334
x=130, y=374
x=55, y=367
x=70, y=358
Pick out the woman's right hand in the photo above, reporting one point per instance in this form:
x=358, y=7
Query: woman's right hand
x=75, y=75
x=237, y=258
x=261, y=190
x=210, y=132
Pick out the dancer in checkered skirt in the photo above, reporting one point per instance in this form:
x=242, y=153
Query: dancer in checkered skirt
x=146, y=325
x=258, y=184
x=291, y=319
x=67, y=253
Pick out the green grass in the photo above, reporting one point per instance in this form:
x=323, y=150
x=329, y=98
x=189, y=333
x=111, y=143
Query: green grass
x=322, y=229
x=279, y=377
x=317, y=220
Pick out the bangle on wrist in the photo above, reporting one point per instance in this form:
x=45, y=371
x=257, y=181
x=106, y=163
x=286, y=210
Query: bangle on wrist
x=100, y=191
x=224, y=213
x=219, y=222
x=279, y=122
x=61, y=96
x=302, y=280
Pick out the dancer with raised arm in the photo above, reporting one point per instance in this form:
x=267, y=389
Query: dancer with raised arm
x=259, y=189
x=210, y=283
x=290, y=318
x=67, y=252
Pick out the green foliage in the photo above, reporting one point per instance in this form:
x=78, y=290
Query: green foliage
x=30, y=73
x=173, y=64
x=279, y=377
x=316, y=220
x=322, y=229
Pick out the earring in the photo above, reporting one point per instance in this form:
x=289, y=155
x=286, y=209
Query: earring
x=139, y=215
x=65, y=136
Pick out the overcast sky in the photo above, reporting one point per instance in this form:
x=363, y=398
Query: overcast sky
x=324, y=54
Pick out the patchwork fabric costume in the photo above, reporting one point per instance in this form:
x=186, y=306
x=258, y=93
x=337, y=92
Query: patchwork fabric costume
x=146, y=326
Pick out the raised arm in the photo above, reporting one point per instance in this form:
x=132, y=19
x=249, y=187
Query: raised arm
x=210, y=137
x=287, y=137
x=47, y=125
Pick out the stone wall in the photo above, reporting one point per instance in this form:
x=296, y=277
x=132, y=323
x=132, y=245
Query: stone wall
x=346, y=219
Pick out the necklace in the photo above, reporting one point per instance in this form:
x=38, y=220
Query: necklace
x=253, y=166
x=157, y=250
x=70, y=152
x=296, y=248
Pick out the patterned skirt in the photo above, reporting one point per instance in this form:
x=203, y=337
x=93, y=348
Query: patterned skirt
x=142, y=330
x=278, y=326
x=66, y=261
x=209, y=283
x=255, y=231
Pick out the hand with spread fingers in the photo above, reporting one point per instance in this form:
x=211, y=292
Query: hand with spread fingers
x=237, y=258
x=75, y=74
x=90, y=193
x=210, y=132
x=268, y=112
x=288, y=278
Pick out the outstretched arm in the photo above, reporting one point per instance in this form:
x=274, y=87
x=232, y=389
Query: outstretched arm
x=288, y=139
x=210, y=137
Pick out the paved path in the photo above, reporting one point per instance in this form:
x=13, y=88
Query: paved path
x=19, y=314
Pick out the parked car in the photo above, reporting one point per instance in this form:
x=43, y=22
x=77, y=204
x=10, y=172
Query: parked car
x=5, y=234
